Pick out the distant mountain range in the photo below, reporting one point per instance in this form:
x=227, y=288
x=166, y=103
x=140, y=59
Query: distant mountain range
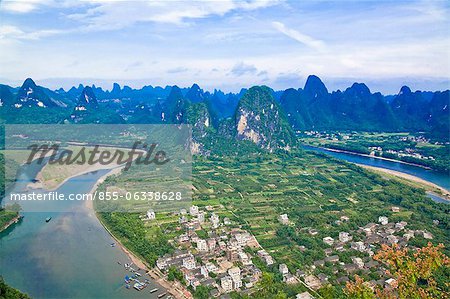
x=260, y=115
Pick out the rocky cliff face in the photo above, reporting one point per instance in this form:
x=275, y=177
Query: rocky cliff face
x=199, y=118
x=259, y=119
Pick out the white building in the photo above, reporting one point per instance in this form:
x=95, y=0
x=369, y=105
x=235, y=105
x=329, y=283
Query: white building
x=328, y=240
x=304, y=295
x=193, y=210
x=242, y=239
x=401, y=225
x=383, y=220
x=235, y=274
x=151, y=214
x=266, y=257
x=183, y=238
x=284, y=219
x=283, y=269
x=395, y=209
x=237, y=283
x=344, y=237
x=211, y=244
x=211, y=267
x=427, y=235
x=189, y=262
x=358, y=262
x=201, y=217
x=226, y=283
x=214, y=220
x=243, y=257
x=345, y=218
x=204, y=271
x=358, y=246
x=201, y=245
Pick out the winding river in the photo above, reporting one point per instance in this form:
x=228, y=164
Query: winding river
x=71, y=256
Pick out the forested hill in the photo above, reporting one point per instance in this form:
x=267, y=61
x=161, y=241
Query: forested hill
x=312, y=107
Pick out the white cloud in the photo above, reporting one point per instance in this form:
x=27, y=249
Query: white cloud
x=107, y=15
x=300, y=37
x=22, y=6
x=14, y=33
x=241, y=68
x=8, y=30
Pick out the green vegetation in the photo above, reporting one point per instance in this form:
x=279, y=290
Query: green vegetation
x=315, y=192
x=6, y=216
x=132, y=234
x=7, y=292
x=174, y=273
x=259, y=118
x=313, y=189
x=201, y=292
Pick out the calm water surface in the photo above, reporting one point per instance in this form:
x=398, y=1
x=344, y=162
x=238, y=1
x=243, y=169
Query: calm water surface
x=69, y=257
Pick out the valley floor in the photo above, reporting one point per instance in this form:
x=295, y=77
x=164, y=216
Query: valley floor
x=323, y=200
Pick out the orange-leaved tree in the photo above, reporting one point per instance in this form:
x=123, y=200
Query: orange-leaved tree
x=413, y=272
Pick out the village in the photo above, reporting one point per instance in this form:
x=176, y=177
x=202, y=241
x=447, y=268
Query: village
x=361, y=262
x=222, y=261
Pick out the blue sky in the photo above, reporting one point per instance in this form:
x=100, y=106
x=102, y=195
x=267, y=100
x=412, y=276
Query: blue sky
x=226, y=44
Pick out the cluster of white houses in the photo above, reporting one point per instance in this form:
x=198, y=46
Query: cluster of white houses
x=218, y=257
x=213, y=261
x=374, y=235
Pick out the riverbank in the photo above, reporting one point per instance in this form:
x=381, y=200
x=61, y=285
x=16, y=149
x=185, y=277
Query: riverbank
x=14, y=220
x=47, y=180
x=442, y=192
x=370, y=156
x=172, y=288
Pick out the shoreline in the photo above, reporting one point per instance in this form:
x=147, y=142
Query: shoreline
x=40, y=185
x=170, y=287
x=445, y=194
x=96, y=167
x=369, y=156
x=13, y=221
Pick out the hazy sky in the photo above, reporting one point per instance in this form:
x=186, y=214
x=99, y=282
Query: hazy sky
x=226, y=44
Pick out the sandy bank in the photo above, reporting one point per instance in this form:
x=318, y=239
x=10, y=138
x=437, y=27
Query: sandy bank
x=431, y=186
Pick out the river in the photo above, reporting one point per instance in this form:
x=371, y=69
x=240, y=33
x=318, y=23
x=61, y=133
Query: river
x=441, y=179
x=71, y=256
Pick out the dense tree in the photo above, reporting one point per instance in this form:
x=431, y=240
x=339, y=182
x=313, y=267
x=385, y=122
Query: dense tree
x=7, y=292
